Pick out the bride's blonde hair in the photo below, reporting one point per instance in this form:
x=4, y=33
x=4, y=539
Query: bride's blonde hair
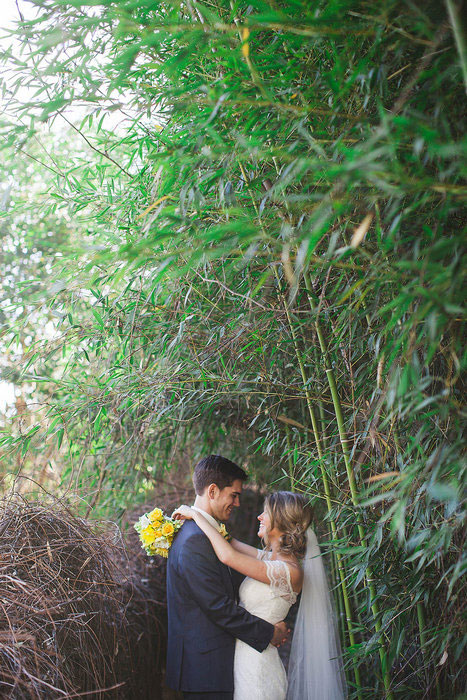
x=291, y=514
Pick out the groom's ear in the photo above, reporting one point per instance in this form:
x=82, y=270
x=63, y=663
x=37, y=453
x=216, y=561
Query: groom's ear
x=213, y=491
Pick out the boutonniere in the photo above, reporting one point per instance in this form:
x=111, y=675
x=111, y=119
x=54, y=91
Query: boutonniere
x=224, y=532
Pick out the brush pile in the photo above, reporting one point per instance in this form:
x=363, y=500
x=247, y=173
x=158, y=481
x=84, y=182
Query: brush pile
x=74, y=619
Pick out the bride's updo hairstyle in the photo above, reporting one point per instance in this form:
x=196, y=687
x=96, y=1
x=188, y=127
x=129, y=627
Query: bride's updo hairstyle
x=291, y=514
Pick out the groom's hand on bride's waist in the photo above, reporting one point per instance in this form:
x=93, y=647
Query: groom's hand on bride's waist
x=281, y=634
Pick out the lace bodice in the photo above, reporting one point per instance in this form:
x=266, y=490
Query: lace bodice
x=269, y=601
x=259, y=675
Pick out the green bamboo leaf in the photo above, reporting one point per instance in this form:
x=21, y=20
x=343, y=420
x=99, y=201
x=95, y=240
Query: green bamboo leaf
x=98, y=317
x=60, y=437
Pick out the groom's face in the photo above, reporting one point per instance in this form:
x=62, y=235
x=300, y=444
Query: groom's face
x=223, y=501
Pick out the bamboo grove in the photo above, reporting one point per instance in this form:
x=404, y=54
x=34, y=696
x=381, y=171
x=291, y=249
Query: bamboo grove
x=245, y=225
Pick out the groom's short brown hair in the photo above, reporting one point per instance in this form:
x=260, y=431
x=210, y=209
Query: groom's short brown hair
x=218, y=470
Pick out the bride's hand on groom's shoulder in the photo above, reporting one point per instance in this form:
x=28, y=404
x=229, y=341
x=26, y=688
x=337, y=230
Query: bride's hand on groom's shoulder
x=183, y=513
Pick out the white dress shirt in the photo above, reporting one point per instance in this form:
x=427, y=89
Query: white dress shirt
x=208, y=517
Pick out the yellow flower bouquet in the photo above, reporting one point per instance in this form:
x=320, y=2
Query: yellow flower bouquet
x=156, y=532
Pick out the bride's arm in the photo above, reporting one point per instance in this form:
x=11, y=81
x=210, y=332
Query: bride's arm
x=244, y=563
x=244, y=559
x=244, y=548
x=237, y=559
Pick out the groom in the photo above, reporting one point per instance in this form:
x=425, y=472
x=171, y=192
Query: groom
x=204, y=617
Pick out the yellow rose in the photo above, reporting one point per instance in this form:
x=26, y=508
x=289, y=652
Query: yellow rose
x=148, y=535
x=167, y=529
x=155, y=515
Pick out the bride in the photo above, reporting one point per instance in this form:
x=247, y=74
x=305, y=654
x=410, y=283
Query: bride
x=290, y=563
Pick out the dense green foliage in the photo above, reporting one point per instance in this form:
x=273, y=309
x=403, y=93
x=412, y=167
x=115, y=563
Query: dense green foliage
x=261, y=255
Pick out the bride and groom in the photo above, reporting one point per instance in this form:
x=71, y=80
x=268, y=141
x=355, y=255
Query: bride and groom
x=227, y=600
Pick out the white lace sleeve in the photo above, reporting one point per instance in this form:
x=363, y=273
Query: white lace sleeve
x=278, y=574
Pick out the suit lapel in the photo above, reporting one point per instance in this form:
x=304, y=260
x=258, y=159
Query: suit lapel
x=225, y=570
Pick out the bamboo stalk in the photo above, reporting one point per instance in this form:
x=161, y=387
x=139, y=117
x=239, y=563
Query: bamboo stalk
x=321, y=408
x=289, y=458
x=421, y=625
x=327, y=489
x=353, y=488
x=339, y=598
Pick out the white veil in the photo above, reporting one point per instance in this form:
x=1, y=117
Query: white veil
x=315, y=667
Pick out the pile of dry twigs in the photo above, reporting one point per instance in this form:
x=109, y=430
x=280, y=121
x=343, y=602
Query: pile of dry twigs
x=74, y=619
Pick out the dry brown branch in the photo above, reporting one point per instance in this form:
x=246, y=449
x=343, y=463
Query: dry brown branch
x=74, y=619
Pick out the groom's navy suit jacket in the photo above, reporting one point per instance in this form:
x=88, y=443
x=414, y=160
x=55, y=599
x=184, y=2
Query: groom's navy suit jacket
x=204, y=618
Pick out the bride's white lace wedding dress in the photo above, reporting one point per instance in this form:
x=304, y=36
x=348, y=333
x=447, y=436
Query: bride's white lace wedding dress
x=260, y=675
